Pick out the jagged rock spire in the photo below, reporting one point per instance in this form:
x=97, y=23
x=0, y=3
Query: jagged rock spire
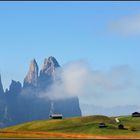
x=15, y=87
x=49, y=65
x=1, y=87
x=32, y=75
x=47, y=75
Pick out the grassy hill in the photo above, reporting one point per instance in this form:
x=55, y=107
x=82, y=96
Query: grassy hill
x=81, y=125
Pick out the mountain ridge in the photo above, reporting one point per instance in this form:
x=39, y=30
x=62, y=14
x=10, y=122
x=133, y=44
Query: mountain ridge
x=21, y=103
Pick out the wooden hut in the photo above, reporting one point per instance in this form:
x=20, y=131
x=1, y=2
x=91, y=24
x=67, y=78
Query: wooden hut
x=136, y=114
x=56, y=116
x=102, y=125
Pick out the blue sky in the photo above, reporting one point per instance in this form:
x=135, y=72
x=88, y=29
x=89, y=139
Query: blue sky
x=102, y=33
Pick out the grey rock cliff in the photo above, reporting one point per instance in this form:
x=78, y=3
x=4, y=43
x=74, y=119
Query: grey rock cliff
x=47, y=75
x=15, y=87
x=31, y=78
x=49, y=66
x=1, y=87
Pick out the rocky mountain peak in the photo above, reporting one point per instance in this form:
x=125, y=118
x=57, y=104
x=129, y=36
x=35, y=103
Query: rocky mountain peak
x=49, y=65
x=15, y=87
x=21, y=104
x=53, y=61
x=47, y=73
x=32, y=75
x=1, y=86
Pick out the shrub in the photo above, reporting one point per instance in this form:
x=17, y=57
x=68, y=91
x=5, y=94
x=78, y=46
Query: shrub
x=132, y=128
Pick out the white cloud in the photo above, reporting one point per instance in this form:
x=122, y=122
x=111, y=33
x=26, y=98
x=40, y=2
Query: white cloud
x=78, y=79
x=128, y=25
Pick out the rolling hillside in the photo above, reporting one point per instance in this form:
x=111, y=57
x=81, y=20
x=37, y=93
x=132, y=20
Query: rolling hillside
x=85, y=126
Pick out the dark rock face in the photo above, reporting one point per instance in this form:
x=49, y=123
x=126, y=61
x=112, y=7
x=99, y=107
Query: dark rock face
x=11, y=107
x=1, y=87
x=14, y=90
x=3, y=109
x=21, y=104
x=68, y=107
x=15, y=87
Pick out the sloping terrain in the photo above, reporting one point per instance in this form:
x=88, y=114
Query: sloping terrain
x=77, y=127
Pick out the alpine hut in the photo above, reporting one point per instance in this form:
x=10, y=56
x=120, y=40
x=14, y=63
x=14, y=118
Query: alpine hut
x=56, y=116
x=136, y=114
